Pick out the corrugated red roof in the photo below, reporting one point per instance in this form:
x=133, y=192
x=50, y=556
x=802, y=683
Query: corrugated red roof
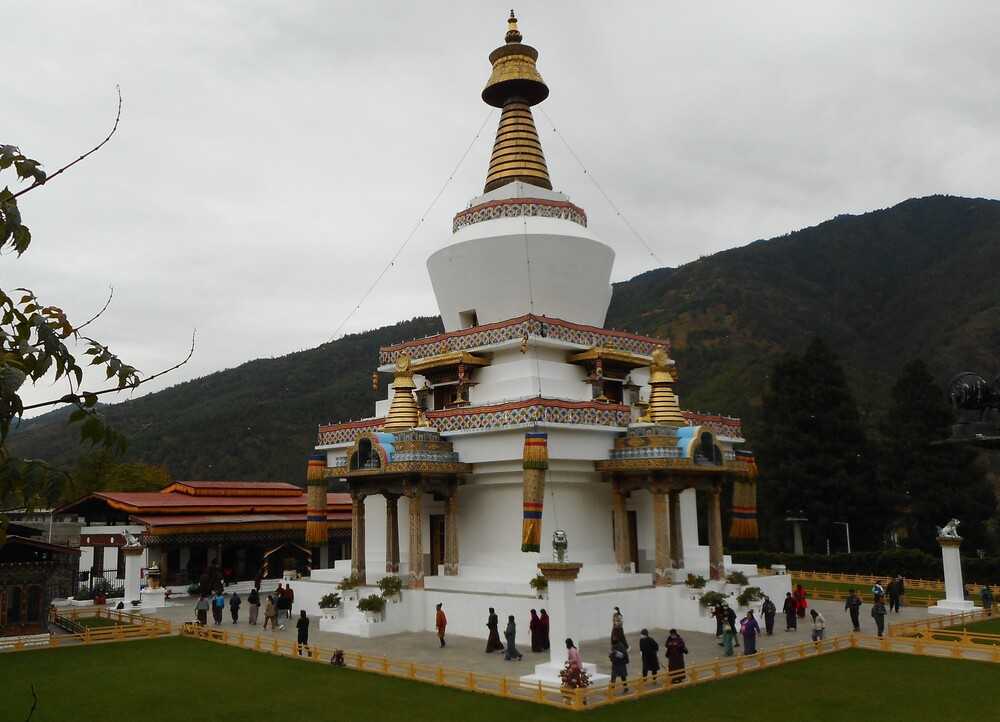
x=190, y=519
x=239, y=485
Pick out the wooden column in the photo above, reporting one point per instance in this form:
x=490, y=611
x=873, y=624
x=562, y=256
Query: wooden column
x=623, y=540
x=716, y=567
x=358, y=535
x=676, y=539
x=414, y=497
x=451, y=533
x=391, y=534
x=662, y=575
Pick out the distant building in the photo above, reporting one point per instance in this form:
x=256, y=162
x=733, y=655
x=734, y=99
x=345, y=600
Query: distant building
x=191, y=525
x=32, y=574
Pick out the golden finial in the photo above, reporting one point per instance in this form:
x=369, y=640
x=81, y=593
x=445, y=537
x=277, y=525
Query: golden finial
x=515, y=85
x=664, y=407
x=403, y=411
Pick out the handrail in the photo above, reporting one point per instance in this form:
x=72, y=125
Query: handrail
x=925, y=584
x=902, y=629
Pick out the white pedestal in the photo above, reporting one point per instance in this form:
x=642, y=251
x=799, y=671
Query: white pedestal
x=954, y=601
x=946, y=606
x=133, y=568
x=562, y=623
x=153, y=598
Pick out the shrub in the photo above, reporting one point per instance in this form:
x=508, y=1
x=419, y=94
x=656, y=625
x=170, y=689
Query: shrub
x=748, y=596
x=711, y=599
x=574, y=677
x=737, y=578
x=83, y=594
x=351, y=582
x=390, y=586
x=329, y=601
x=539, y=583
x=194, y=590
x=695, y=582
x=372, y=603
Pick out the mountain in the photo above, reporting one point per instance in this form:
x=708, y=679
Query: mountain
x=914, y=280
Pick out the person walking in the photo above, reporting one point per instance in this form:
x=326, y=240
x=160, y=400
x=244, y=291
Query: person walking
x=789, y=609
x=649, y=650
x=619, y=663
x=894, y=590
x=720, y=619
x=234, y=606
x=201, y=609
x=676, y=649
x=878, y=614
x=818, y=626
x=731, y=621
x=768, y=610
x=853, y=606
x=253, y=605
x=986, y=596
x=218, y=604
x=535, y=627
x=545, y=630
x=440, y=622
x=509, y=633
x=800, y=601
x=617, y=622
x=271, y=613
x=290, y=599
x=493, y=643
x=302, y=627
x=728, y=639
x=573, y=656
x=749, y=629
x=878, y=591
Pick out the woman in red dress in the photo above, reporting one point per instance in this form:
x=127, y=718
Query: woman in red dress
x=800, y=601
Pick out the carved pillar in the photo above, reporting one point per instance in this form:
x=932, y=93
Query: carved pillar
x=451, y=533
x=414, y=496
x=391, y=534
x=716, y=567
x=662, y=575
x=623, y=540
x=676, y=540
x=358, y=535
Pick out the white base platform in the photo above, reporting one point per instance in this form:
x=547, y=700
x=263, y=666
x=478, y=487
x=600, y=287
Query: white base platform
x=948, y=606
x=548, y=675
x=153, y=598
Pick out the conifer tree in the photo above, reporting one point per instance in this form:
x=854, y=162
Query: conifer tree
x=814, y=457
x=933, y=481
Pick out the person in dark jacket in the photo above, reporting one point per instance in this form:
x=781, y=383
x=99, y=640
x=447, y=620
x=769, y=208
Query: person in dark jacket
x=895, y=591
x=253, y=603
x=853, y=607
x=302, y=626
x=509, y=634
x=768, y=610
x=676, y=649
x=731, y=621
x=878, y=614
x=619, y=663
x=234, y=607
x=544, y=618
x=789, y=609
x=720, y=619
x=648, y=648
x=535, y=628
x=749, y=629
x=493, y=643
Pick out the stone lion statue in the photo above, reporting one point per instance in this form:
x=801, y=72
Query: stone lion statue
x=949, y=530
x=560, y=543
x=131, y=540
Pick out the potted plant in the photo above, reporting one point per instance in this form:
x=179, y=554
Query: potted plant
x=541, y=586
x=349, y=586
x=711, y=599
x=738, y=578
x=100, y=591
x=573, y=678
x=373, y=606
x=748, y=596
x=330, y=608
x=194, y=590
x=696, y=581
x=391, y=587
x=82, y=598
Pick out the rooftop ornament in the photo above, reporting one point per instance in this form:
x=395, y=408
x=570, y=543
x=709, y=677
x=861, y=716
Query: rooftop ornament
x=977, y=407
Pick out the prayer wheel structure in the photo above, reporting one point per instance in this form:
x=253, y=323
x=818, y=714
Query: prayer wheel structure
x=316, y=526
x=535, y=463
x=744, y=508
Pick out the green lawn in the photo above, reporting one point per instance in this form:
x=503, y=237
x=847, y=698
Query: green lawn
x=987, y=626
x=96, y=622
x=865, y=589
x=179, y=678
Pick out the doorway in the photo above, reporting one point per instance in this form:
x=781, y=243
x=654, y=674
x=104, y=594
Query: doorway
x=437, y=543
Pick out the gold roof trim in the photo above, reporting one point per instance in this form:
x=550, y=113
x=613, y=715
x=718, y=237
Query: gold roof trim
x=604, y=353
x=448, y=359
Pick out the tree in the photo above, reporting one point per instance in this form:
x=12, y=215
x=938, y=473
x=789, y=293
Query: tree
x=813, y=454
x=934, y=481
x=101, y=470
x=37, y=340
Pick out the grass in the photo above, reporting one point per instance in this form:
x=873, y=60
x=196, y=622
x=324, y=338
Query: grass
x=179, y=678
x=96, y=622
x=913, y=594
x=987, y=626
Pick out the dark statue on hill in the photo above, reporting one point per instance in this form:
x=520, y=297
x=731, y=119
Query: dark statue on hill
x=977, y=407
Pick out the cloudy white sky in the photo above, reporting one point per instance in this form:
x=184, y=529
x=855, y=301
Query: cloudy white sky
x=273, y=156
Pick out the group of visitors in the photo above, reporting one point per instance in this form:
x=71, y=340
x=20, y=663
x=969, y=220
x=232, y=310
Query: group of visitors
x=277, y=603
x=538, y=626
x=852, y=605
x=649, y=649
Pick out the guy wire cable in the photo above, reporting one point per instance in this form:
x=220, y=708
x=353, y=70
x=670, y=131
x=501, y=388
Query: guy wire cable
x=413, y=231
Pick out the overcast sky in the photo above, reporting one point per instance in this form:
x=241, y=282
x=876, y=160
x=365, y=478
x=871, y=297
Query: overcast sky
x=273, y=156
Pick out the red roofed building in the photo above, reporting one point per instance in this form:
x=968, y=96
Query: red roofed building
x=191, y=525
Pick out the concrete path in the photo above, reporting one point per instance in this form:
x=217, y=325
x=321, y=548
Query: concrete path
x=467, y=652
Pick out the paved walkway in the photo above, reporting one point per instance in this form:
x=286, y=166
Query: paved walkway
x=467, y=652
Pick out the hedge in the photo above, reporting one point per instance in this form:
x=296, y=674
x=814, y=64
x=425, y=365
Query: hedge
x=910, y=563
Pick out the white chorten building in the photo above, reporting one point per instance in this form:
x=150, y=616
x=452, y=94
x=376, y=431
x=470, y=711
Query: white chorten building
x=526, y=416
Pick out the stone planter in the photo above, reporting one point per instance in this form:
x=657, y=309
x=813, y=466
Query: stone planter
x=374, y=617
x=81, y=602
x=328, y=621
x=349, y=595
x=543, y=594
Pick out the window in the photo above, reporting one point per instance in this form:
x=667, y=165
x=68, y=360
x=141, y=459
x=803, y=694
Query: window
x=121, y=563
x=97, y=567
x=468, y=319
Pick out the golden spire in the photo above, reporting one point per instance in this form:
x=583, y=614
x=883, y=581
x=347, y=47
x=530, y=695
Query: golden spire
x=403, y=412
x=515, y=86
x=664, y=407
